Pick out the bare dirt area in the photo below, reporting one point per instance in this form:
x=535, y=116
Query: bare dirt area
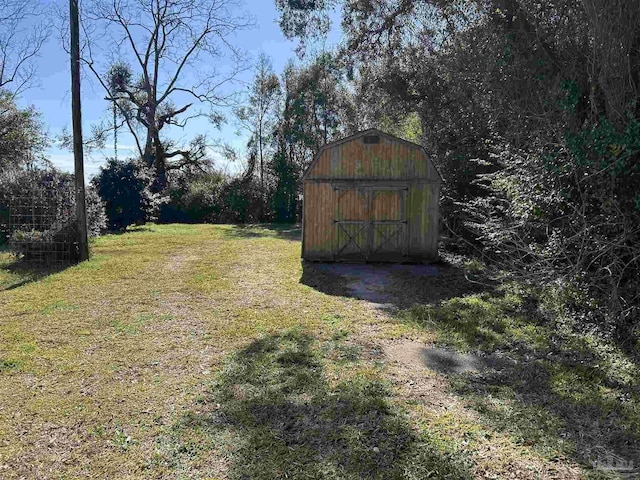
x=391, y=285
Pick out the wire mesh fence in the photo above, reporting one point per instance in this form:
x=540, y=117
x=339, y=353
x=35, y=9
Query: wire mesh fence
x=42, y=226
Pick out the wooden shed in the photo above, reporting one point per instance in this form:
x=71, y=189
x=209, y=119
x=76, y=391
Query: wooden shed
x=371, y=197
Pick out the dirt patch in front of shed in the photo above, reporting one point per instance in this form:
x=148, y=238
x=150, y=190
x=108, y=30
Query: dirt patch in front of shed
x=420, y=364
x=391, y=286
x=364, y=282
x=412, y=378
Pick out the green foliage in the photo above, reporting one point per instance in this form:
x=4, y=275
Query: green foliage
x=409, y=127
x=572, y=96
x=96, y=214
x=603, y=147
x=284, y=196
x=201, y=197
x=125, y=188
x=22, y=135
x=305, y=20
x=240, y=202
x=213, y=198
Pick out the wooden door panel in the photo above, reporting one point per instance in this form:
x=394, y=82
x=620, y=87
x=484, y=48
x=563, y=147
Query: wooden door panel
x=388, y=235
x=370, y=223
x=352, y=205
x=351, y=240
x=386, y=205
x=388, y=240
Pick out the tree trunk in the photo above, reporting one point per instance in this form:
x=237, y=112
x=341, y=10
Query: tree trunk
x=262, y=195
x=160, y=165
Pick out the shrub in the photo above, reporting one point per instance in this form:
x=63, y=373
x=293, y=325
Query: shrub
x=213, y=198
x=96, y=214
x=569, y=216
x=239, y=202
x=125, y=187
x=56, y=189
x=200, y=202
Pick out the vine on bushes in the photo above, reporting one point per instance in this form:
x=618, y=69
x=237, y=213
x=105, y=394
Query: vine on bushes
x=57, y=188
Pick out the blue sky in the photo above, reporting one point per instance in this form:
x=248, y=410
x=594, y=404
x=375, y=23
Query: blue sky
x=53, y=99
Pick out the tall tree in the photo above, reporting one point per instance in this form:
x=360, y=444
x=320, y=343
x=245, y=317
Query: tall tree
x=170, y=72
x=317, y=107
x=257, y=116
x=22, y=136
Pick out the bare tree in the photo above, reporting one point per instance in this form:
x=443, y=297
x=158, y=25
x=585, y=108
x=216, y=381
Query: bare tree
x=175, y=61
x=22, y=35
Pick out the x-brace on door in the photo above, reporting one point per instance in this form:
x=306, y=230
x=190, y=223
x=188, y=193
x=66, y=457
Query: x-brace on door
x=370, y=223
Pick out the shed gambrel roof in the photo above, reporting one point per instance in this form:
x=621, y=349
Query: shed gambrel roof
x=370, y=131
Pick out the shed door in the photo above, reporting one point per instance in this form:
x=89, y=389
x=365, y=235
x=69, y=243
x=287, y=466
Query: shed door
x=370, y=223
x=350, y=224
x=388, y=224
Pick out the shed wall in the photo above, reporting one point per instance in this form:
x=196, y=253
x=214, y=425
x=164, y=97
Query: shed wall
x=387, y=160
x=423, y=219
x=339, y=201
x=319, y=206
x=321, y=209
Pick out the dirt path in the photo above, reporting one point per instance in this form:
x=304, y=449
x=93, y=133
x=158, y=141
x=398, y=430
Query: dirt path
x=419, y=370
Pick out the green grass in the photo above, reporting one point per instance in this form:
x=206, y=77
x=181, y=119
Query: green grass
x=562, y=383
x=200, y=351
x=273, y=408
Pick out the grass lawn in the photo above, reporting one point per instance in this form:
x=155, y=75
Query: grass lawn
x=200, y=351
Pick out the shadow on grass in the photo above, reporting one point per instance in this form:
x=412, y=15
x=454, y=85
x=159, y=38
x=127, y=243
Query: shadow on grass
x=392, y=284
x=277, y=416
x=131, y=230
x=564, y=393
x=285, y=231
x=15, y=273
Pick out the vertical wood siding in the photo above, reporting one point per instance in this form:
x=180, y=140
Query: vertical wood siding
x=319, y=205
x=387, y=205
x=386, y=160
x=353, y=185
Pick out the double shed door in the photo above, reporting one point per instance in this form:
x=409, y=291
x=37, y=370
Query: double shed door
x=370, y=223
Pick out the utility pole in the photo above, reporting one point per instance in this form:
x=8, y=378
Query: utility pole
x=81, y=211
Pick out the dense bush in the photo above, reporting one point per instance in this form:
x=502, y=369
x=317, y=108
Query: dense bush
x=571, y=217
x=213, y=198
x=198, y=202
x=240, y=202
x=125, y=188
x=96, y=213
x=51, y=183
